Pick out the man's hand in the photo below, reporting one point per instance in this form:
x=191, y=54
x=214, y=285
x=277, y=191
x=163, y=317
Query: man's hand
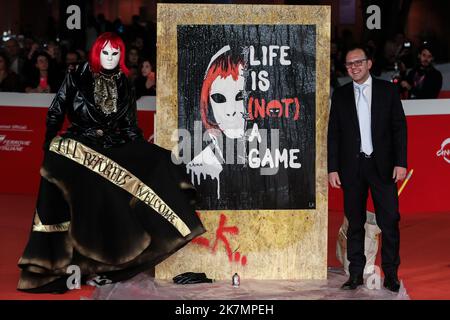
x=333, y=178
x=399, y=174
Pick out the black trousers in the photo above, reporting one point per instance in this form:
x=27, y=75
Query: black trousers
x=385, y=200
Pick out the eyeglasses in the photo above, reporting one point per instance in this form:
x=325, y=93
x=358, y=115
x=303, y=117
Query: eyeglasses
x=356, y=63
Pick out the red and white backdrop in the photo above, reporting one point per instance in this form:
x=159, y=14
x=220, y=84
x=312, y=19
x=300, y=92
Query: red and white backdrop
x=22, y=128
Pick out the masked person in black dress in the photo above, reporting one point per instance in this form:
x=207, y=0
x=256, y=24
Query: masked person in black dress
x=109, y=202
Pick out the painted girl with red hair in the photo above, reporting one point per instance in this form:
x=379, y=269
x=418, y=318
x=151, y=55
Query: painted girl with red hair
x=110, y=204
x=221, y=100
x=222, y=112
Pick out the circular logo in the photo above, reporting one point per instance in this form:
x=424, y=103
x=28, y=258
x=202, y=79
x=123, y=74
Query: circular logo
x=445, y=150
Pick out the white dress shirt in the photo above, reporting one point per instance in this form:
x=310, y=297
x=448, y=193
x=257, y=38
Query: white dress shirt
x=367, y=91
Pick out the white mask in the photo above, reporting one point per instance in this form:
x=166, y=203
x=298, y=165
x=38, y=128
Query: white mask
x=109, y=57
x=227, y=103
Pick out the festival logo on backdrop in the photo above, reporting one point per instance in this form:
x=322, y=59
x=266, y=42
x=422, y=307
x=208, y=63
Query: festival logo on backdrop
x=444, y=152
x=14, y=140
x=246, y=114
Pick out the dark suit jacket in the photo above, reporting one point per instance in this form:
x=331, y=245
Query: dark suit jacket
x=389, y=136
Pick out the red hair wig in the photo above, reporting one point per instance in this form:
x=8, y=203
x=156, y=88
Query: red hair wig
x=101, y=41
x=223, y=66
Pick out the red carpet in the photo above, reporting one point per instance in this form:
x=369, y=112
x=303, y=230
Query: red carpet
x=425, y=251
x=16, y=213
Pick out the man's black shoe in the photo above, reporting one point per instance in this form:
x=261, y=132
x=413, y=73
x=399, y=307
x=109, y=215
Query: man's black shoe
x=353, y=282
x=392, y=283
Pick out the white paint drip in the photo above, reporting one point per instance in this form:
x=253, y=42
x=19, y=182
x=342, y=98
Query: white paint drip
x=203, y=165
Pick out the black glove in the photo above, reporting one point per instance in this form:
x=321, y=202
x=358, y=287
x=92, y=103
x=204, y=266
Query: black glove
x=191, y=277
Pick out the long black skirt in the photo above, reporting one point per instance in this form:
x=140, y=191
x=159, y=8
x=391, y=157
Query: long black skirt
x=112, y=212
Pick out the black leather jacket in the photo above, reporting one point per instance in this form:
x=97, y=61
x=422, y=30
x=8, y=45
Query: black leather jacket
x=76, y=99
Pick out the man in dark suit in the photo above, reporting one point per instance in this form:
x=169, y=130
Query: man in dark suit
x=367, y=141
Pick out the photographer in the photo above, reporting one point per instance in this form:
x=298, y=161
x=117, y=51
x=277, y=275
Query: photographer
x=397, y=50
x=423, y=81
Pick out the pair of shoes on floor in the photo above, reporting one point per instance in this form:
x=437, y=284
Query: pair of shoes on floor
x=391, y=283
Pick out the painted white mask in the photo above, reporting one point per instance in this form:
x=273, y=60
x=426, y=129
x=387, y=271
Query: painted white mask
x=109, y=57
x=227, y=102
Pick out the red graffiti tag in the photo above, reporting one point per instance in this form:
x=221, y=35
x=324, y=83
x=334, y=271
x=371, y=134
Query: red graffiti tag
x=221, y=236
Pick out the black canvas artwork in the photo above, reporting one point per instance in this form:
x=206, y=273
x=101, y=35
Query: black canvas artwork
x=247, y=113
